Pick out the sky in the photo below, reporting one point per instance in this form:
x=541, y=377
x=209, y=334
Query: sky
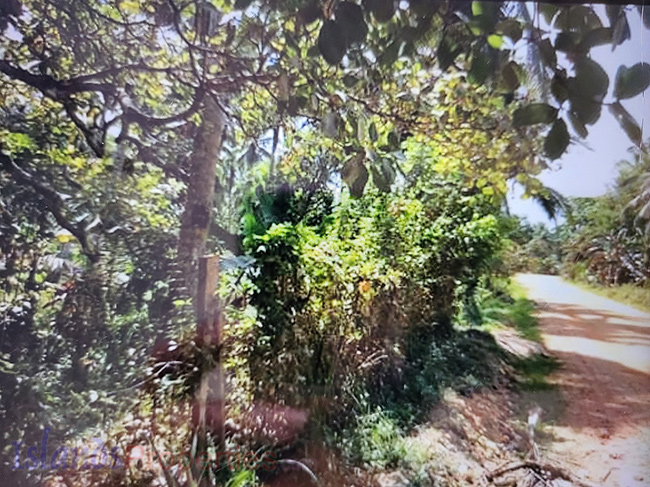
x=589, y=168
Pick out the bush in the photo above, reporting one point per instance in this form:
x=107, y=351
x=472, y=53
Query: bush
x=361, y=296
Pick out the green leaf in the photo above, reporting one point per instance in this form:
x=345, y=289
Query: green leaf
x=547, y=52
x=350, y=81
x=412, y=34
x=446, y=55
x=476, y=27
x=627, y=122
x=510, y=76
x=64, y=237
x=578, y=126
x=132, y=7
x=6, y=367
x=567, y=41
x=596, y=37
x=587, y=111
x=393, y=140
x=331, y=42
x=488, y=191
x=383, y=176
x=533, y=114
x=549, y=11
x=362, y=132
x=242, y=4
x=485, y=16
x=510, y=28
x=408, y=49
x=583, y=106
x=382, y=10
x=559, y=89
x=480, y=68
x=591, y=80
x=424, y=8
x=630, y=82
x=577, y=18
x=243, y=478
x=349, y=17
x=390, y=54
x=353, y=123
x=580, y=19
x=495, y=40
x=310, y=13
x=487, y=10
x=372, y=132
x=17, y=142
x=331, y=124
x=621, y=31
x=355, y=175
x=557, y=140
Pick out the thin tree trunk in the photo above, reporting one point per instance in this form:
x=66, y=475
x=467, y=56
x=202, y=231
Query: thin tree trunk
x=195, y=220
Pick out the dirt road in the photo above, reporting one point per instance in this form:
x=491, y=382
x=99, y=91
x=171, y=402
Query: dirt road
x=597, y=420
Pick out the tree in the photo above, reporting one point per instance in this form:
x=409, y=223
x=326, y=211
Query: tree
x=269, y=49
x=298, y=59
x=608, y=234
x=121, y=119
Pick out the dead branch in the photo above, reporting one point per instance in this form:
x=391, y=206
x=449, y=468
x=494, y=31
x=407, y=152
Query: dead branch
x=546, y=470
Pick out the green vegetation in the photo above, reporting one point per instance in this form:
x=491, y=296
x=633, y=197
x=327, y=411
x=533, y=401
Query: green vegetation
x=609, y=238
x=636, y=296
x=502, y=302
x=522, y=316
x=533, y=372
x=377, y=441
x=535, y=248
x=348, y=162
x=505, y=303
x=603, y=245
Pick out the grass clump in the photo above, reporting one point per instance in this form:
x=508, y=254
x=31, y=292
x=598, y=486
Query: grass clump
x=504, y=303
x=377, y=441
x=522, y=315
x=534, y=371
x=636, y=296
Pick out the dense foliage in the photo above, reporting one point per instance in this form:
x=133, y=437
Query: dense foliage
x=602, y=240
x=348, y=159
x=609, y=241
x=331, y=282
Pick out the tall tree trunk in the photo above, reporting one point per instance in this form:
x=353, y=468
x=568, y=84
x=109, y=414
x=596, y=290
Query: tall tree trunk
x=196, y=216
x=195, y=223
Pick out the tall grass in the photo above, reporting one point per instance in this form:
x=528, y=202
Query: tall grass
x=636, y=296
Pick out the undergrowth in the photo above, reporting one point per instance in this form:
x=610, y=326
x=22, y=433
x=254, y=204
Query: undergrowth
x=522, y=315
x=533, y=372
x=630, y=294
x=378, y=436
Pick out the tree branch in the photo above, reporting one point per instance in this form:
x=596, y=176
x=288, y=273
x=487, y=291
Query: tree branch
x=51, y=87
x=134, y=115
x=61, y=91
x=551, y=470
x=96, y=146
x=53, y=203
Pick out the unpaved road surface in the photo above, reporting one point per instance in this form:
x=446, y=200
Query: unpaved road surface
x=597, y=420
